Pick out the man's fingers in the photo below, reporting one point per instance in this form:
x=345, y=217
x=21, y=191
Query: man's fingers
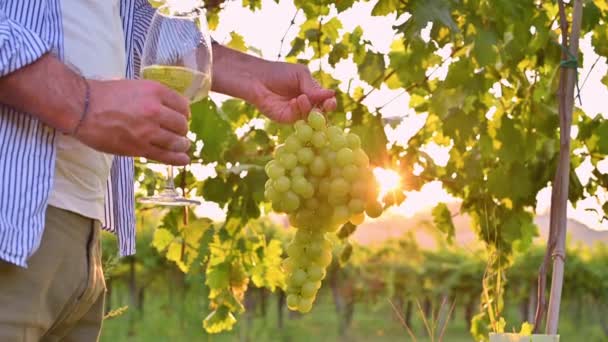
x=295, y=109
x=175, y=101
x=170, y=141
x=167, y=157
x=330, y=105
x=304, y=105
x=173, y=121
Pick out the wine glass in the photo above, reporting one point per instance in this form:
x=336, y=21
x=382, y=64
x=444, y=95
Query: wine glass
x=177, y=53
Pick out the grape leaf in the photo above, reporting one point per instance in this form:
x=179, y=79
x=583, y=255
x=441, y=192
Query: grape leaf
x=372, y=68
x=442, y=217
x=162, y=239
x=218, y=276
x=212, y=129
x=219, y=320
x=384, y=7
x=237, y=42
x=484, y=49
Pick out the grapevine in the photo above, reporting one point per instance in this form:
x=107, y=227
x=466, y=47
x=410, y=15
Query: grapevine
x=322, y=179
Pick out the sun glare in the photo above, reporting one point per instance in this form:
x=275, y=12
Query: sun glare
x=387, y=180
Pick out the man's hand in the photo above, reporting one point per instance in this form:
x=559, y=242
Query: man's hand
x=126, y=117
x=287, y=92
x=137, y=118
x=282, y=91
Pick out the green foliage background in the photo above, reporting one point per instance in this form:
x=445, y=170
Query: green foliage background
x=503, y=144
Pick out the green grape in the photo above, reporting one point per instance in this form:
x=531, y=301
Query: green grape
x=359, y=190
x=292, y=201
x=350, y=173
x=292, y=219
x=299, y=124
x=319, y=139
x=309, y=289
x=292, y=144
x=299, y=276
x=334, y=131
x=329, y=156
x=305, y=304
x=298, y=171
x=288, y=265
x=353, y=141
x=304, y=133
x=282, y=184
x=317, y=121
x=318, y=166
x=356, y=206
x=337, y=142
x=293, y=301
x=311, y=203
x=357, y=219
x=314, y=249
x=331, y=228
x=295, y=290
x=373, y=209
x=298, y=184
x=324, y=259
x=324, y=186
x=308, y=191
x=314, y=181
x=303, y=237
x=341, y=214
x=316, y=273
x=345, y=156
x=305, y=155
x=339, y=187
x=272, y=194
x=288, y=160
x=335, y=172
x=295, y=251
x=335, y=199
x=280, y=150
x=276, y=172
x=361, y=158
x=393, y=197
x=305, y=217
x=325, y=211
x=277, y=206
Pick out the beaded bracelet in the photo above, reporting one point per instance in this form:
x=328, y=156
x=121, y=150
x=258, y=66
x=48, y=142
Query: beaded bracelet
x=85, y=110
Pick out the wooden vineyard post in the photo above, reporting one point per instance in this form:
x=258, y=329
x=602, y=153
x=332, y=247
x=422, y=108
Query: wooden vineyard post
x=559, y=198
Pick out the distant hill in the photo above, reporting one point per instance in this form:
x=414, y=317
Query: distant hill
x=394, y=226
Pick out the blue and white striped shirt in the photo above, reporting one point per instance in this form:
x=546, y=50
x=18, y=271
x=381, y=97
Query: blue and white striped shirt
x=28, y=30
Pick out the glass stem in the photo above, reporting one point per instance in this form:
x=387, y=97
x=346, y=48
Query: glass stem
x=170, y=185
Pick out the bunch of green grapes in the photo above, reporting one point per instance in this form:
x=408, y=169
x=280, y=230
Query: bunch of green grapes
x=321, y=178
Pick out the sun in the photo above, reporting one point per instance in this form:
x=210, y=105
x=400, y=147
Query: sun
x=388, y=180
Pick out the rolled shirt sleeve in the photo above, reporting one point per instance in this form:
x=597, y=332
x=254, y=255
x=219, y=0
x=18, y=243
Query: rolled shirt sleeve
x=19, y=46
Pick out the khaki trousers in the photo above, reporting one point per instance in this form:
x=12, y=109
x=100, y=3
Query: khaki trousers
x=60, y=296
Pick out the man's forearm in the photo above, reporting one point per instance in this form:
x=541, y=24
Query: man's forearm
x=232, y=69
x=47, y=89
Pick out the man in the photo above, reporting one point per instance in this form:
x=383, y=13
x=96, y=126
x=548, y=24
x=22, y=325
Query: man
x=70, y=122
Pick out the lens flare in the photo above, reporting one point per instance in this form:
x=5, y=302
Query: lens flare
x=388, y=180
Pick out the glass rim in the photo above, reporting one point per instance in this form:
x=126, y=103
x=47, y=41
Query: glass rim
x=195, y=13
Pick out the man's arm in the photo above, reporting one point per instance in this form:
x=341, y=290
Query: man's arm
x=284, y=92
x=48, y=89
x=132, y=118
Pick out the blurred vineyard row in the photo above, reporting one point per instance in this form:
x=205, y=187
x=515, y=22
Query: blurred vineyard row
x=440, y=285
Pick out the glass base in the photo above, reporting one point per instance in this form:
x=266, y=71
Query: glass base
x=169, y=197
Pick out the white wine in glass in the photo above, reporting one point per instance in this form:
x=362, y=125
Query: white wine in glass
x=177, y=53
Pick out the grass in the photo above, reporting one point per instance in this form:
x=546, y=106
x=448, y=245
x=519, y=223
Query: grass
x=165, y=319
